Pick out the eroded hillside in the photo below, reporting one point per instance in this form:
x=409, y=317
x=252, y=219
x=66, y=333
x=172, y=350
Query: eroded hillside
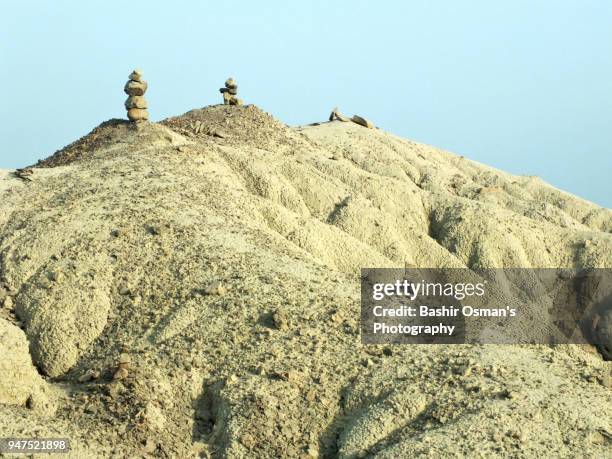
x=220, y=252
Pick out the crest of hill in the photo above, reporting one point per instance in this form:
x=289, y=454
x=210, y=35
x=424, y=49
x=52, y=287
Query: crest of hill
x=100, y=137
x=233, y=124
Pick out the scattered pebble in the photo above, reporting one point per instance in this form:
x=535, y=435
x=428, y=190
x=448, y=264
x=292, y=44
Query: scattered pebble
x=368, y=363
x=312, y=451
x=156, y=230
x=149, y=446
x=124, y=359
x=280, y=319
x=337, y=115
x=55, y=276
x=154, y=416
x=45, y=283
x=293, y=376
x=8, y=302
x=464, y=370
x=403, y=373
x=121, y=373
x=247, y=440
x=362, y=121
x=215, y=288
x=89, y=375
x=596, y=438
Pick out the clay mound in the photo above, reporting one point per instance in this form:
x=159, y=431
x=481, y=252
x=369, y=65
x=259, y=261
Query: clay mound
x=20, y=384
x=100, y=137
x=64, y=311
x=112, y=139
x=235, y=124
x=221, y=251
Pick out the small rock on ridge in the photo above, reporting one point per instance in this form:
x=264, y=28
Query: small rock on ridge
x=336, y=115
x=121, y=373
x=124, y=359
x=362, y=121
x=215, y=288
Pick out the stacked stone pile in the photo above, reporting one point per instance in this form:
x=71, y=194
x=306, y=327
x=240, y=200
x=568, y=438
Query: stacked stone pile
x=136, y=104
x=230, y=93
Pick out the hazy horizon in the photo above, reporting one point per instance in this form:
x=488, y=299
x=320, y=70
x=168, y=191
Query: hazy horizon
x=521, y=86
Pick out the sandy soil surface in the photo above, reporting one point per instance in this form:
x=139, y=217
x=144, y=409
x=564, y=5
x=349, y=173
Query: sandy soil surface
x=4, y=179
x=190, y=288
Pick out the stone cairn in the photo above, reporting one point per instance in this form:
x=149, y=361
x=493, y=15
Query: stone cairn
x=230, y=92
x=136, y=104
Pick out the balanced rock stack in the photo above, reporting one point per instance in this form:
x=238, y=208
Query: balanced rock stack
x=230, y=92
x=136, y=104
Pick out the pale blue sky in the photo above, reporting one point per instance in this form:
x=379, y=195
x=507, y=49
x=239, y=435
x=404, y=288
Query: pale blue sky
x=522, y=85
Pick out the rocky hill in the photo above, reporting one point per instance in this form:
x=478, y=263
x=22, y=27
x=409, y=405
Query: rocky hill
x=214, y=259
